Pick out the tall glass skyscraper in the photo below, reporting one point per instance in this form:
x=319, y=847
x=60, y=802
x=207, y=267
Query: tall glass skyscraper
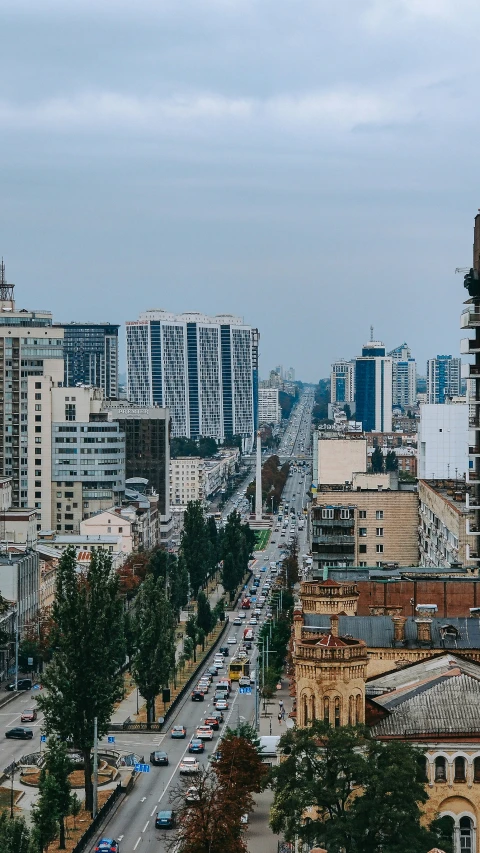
x=373, y=388
x=203, y=369
x=91, y=356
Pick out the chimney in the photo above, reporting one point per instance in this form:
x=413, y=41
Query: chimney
x=424, y=630
x=393, y=610
x=334, y=625
x=377, y=609
x=399, y=628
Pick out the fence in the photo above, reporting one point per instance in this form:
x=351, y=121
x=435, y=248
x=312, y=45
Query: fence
x=92, y=829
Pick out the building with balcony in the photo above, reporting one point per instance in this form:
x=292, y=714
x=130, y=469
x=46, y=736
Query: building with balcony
x=443, y=378
x=269, y=411
x=404, y=377
x=91, y=356
x=471, y=320
x=342, y=382
x=447, y=524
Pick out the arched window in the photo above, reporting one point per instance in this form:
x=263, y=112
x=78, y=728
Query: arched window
x=466, y=835
x=459, y=769
x=476, y=769
x=351, y=711
x=337, y=712
x=440, y=769
x=313, y=709
x=359, y=709
x=326, y=710
x=305, y=711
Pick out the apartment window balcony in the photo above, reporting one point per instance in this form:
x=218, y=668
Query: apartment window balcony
x=469, y=319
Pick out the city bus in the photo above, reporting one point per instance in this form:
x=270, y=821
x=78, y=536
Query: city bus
x=238, y=667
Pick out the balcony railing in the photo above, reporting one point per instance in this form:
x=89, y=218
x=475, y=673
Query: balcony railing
x=334, y=539
x=469, y=318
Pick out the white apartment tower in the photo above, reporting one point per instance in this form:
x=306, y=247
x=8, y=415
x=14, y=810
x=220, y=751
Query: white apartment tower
x=404, y=376
x=342, y=382
x=204, y=369
x=269, y=411
x=443, y=378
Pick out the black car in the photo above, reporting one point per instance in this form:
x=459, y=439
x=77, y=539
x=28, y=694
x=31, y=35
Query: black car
x=165, y=820
x=159, y=758
x=20, y=732
x=197, y=696
x=218, y=715
x=22, y=684
x=225, y=651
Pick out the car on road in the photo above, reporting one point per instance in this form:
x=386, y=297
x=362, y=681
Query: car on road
x=212, y=722
x=197, y=696
x=179, y=732
x=237, y=621
x=107, y=845
x=192, y=794
x=20, y=732
x=263, y=569
x=196, y=745
x=218, y=714
x=22, y=684
x=28, y=716
x=165, y=820
x=159, y=758
x=225, y=651
x=244, y=681
x=242, y=615
x=204, y=733
x=221, y=705
x=272, y=541
x=189, y=765
x=253, y=621
x=231, y=641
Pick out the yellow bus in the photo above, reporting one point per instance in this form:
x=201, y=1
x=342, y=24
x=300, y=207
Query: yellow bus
x=238, y=667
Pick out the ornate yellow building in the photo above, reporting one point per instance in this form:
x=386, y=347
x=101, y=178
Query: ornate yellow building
x=422, y=688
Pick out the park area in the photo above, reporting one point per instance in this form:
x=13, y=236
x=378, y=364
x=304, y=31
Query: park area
x=262, y=537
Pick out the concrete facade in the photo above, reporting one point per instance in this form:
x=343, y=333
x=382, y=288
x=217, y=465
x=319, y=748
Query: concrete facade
x=443, y=441
x=269, y=411
x=339, y=458
x=445, y=521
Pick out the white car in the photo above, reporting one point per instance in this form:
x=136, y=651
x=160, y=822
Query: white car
x=189, y=765
x=253, y=621
x=242, y=615
x=232, y=641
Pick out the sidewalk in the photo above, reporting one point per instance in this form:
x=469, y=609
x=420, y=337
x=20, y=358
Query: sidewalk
x=260, y=838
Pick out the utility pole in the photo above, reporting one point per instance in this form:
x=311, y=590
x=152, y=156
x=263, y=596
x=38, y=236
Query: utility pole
x=95, y=768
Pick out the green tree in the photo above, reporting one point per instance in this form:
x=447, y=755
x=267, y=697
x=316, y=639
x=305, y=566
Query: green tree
x=84, y=679
x=191, y=630
x=15, y=836
x=391, y=461
x=179, y=586
x=204, y=613
x=207, y=447
x=377, y=461
x=364, y=795
x=43, y=812
x=54, y=786
x=154, y=641
x=195, y=545
x=212, y=534
x=75, y=808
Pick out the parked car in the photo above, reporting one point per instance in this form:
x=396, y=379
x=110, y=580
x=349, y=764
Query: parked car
x=107, y=845
x=189, y=765
x=22, y=684
x=28, y=716
x=165, y=820
x=179, y=731
x=159, y=758
x=196, y=745
x=19, y=732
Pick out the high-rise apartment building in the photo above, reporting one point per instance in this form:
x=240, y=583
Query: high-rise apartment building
x=443, y=378
x=269, y=411
x=342, y=382
x=30, y=346
x=203, y=369
x=373, y=388
x=404, y=376
x=91, y=356
x=76, y=459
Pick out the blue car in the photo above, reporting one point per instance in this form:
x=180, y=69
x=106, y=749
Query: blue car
x=107, y=845
x=196, y=745
x=165, y=819
x=263, y=569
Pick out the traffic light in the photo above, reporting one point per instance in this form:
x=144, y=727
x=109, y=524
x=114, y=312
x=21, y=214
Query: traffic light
x=166, y=695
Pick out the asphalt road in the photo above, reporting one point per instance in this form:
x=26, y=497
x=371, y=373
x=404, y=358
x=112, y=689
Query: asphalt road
x=10, y=714
x=133, y=825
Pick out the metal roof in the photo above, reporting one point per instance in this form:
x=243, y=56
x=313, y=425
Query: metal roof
x=378, y=632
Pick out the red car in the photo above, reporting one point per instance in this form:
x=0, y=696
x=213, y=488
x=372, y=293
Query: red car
x=28, y=716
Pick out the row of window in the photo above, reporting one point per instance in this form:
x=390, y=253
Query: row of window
x=362, y=531
x=362, y=549
x=328, y=512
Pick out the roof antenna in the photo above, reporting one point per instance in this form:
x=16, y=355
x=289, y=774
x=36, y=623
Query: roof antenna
x=6, y=290
x=371, y=333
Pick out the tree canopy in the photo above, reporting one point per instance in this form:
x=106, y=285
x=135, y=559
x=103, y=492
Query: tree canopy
x=153, y=641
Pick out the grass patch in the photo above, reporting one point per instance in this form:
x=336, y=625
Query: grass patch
x=5, y=795
x=262, y=538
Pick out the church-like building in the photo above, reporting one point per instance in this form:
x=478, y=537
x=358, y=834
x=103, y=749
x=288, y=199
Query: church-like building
x=411, y=678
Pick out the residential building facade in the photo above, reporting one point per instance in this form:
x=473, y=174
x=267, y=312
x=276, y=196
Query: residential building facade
x=443, y=378
x=20, y=581
x=443, y=441
x=447, y=524
x=91, y=356
x=203, y=369
x=373, y=388
x=342, y=382
x=196, y=479
x=269, y=411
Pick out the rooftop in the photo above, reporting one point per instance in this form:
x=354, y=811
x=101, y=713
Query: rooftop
x=378, y=631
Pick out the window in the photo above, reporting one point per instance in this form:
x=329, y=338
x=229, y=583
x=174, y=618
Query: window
x=38, y=494
x=326, y=710
x=38, y=384
x=379, y=514
x=362, y=531
x=38, y=396
x=351, y=711
x=362, y=564
x=422, y=768
x=344, y=513
x=120, y=529
x=362, y=549
x=459, y=769
x=466, y=839
x=379, y=531
x=440, y=769
x=362, y=513
x=70, y=412
x=476, y=769
x=337, y=712
x=327, y=513
x=379, y=549
x=38, y=407
x=38, y=418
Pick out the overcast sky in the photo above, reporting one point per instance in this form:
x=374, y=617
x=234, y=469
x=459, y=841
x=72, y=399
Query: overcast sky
x=312, y=165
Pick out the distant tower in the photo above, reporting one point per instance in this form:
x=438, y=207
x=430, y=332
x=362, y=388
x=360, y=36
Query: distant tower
x=7, y=302
x=371, y=333
x=258, y=480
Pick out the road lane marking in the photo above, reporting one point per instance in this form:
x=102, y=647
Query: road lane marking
x=138, y=842
x=144, y=828
x=154, y=810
